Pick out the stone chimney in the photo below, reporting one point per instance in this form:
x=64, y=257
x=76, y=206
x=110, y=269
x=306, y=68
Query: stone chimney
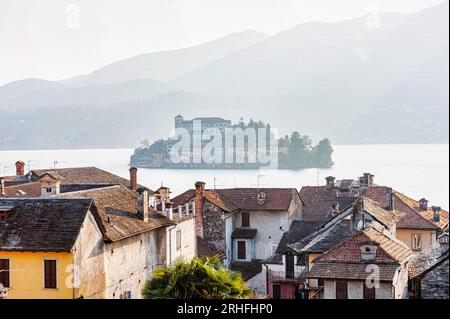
x=20, y=168
x=330, y=181
x=335, y=210
x=423, y=204
x=436, y=213
x=366, y=180
x=199, y=193
x=389, y=199
x=2, y=187
x=143, y=204
x=133, y=178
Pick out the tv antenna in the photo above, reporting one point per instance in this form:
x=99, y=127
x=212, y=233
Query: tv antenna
x=55, y=163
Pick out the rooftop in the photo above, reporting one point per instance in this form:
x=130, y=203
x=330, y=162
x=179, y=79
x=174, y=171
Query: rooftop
x=42, y=224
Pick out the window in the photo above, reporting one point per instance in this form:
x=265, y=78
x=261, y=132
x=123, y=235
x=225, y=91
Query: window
x=321, y=282
x=48, y=189
x=178, y=239
x=4, y=273
x=50, y=274
x=416, y=241
x=245, y=219
x=368, y=293
x=241, y=247
x=276, y=291
x=290, y=265
x=341, y=290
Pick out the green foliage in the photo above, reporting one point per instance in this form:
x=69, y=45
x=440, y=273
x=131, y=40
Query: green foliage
x=200, y=278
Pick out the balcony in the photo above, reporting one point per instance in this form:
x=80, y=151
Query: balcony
x=287, y=276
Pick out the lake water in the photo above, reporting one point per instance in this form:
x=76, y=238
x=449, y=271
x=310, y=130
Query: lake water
x=416, y=170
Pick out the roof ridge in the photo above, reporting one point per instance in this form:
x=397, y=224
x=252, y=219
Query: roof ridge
x=414, y=211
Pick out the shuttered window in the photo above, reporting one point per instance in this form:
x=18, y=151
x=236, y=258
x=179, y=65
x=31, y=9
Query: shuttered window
x=341, y=290
x=4, y=273
x=245, y=219
x=50, y=274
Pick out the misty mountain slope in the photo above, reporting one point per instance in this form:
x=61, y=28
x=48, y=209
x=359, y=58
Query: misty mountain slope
x=16, y=89
x=133, y=90
x=166, y=65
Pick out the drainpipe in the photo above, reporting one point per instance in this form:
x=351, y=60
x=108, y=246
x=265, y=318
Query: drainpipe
x=231, y=248
x=267, y=279
x=169, y=253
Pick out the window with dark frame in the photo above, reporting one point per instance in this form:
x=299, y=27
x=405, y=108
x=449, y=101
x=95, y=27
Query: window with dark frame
x=241, y=247
x=50, y=274
x=49, y=190
x=178, y=239
x=245, y=219
x=5, y=273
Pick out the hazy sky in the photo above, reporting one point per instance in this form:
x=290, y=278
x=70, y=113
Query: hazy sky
x=56, y=39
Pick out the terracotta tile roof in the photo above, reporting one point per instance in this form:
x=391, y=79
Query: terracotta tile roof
x=344, y=260
x=426, y=259
x=350, y=271
x=42, y=224
x=427, y=214
x=244, y=233
x=387, y=218
x=412, y=219
x=84, y=175
x=183, y=198
x=23, y=190
x=318, y=201
x=116, y=208
x=277, y=199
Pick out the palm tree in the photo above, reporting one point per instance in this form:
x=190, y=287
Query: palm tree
x=201, y=278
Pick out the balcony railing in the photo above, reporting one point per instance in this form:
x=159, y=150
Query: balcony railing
x=288, y=276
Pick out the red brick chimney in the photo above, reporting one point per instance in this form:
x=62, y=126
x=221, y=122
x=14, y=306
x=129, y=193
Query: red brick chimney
x=199, y=192
x=20, y=168
x=133, y=178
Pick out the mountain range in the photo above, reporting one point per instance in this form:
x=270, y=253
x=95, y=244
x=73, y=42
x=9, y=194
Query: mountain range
x=355, y=81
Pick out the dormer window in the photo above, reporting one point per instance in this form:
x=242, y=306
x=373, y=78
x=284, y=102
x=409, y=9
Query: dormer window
x=368, y=252
x=261, y=198
x=48, y=190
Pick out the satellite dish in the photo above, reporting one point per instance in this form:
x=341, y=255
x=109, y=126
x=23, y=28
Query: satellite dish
x=360, y=225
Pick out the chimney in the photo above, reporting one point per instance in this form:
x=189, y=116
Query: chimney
x=389, y=199
x=2, y=187
x=133, y=178
x=20, y=168
x=199, y=193
x=335, y=210
x=436, y=213
x=330, y=181
x=143, y=203
x=423, y=204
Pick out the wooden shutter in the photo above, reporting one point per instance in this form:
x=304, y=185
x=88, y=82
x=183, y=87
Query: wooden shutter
x=341, y=290
x=276, y=291
x=245, y=219
x=50, y=274
x=4, y=272
x=241, y=250
x=369, y=293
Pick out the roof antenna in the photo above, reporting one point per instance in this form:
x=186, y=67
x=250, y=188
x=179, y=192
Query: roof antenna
x=318, y=173
x=214, y=183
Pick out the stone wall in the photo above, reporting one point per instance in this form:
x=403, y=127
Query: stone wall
x=214, y=226
x=435, y=283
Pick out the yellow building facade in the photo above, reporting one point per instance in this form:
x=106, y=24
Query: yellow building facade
x=27, y=275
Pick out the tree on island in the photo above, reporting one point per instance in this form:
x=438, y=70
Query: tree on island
x=322, y=153
x=200, y=278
